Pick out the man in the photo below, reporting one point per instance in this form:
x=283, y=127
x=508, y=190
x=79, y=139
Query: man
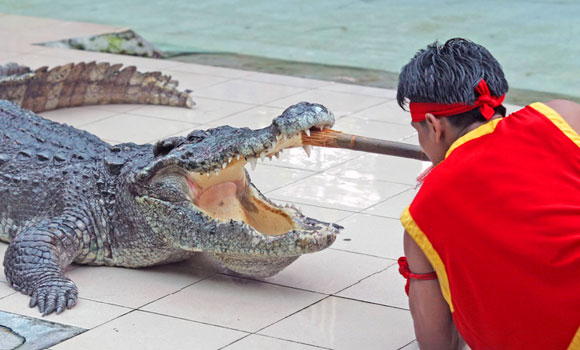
x=492, y=239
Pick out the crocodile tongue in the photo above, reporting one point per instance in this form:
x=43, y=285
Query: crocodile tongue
x=228, y=196
x=221, y=201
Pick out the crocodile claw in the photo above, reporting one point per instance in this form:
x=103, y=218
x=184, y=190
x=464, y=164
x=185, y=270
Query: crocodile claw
x=54, y=295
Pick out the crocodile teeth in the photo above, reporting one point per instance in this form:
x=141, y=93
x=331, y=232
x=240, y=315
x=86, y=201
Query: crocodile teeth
x=217, y=171
x=253, y=163
x=321, y=128
x=262, y=156
x=273, y=144
x=308, y=150
x=307, y=132
x=224, y=165
x=238, y=157
x=255, y=241
x=230, y=159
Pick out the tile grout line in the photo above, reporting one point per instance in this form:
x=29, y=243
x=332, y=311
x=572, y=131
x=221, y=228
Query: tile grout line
x=194, y=321
x=248, y=78
x=386, y=199
x=6, y=296
x=335, y=294
x=292, y=314
x=179, y=64
x=265, y=103
x=80, y=126
x=140, y=308
x=248, y=278
x=323, y=293
x=250, y=106
x=363, y=254
x=409, y=343
x=370, y=303
x=361, y=211
x=271, y=337
x=130, y=309
x=351, y=178
x=359, y=281
x=369, y=106
x=98, y=120
x=235, y=341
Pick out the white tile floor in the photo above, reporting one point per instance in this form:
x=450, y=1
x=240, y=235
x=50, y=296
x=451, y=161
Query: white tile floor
x=347, y=297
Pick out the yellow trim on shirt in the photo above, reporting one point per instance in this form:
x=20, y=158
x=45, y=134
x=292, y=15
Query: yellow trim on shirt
x=480, y=131
x=423, y=242
x=557, y=119
x=563, y=125
x=575, y=344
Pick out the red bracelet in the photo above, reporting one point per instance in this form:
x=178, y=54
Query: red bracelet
x=406, y=273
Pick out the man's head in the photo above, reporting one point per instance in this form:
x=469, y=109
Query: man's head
x=449, y=74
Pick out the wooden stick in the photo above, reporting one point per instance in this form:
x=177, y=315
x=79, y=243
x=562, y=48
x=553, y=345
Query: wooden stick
x=336, y=139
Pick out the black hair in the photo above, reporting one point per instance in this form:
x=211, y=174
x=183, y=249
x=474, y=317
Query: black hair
x=448, y=74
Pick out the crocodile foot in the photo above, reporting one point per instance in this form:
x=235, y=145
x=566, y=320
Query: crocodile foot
x=54, y=295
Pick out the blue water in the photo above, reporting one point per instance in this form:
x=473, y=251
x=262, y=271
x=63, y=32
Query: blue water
x=537, y=42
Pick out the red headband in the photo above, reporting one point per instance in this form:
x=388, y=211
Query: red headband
x=485, y=102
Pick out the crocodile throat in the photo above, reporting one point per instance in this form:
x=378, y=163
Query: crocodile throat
x=228, y=196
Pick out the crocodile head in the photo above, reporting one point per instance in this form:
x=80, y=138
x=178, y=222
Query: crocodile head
x=197, y=194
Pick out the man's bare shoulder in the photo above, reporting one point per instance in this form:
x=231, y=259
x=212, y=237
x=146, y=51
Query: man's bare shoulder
x=569, y=110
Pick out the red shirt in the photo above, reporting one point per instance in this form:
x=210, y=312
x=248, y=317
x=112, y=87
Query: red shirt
x=499, y=220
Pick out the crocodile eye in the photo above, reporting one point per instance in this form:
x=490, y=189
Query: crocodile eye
x=170, y=188
x=196, y=136
x=169, y=193
x=163, y=147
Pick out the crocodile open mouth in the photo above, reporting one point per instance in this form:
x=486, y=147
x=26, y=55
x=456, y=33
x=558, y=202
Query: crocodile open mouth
x=226, y=194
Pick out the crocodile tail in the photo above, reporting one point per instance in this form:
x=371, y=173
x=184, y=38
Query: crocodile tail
x=12, y=68
x=82, y=84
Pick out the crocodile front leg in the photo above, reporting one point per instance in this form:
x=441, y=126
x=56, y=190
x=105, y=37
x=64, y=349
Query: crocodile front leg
x=36, y=260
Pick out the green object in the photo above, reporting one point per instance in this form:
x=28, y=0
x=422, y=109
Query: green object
x=127, y=43
x=27, y=333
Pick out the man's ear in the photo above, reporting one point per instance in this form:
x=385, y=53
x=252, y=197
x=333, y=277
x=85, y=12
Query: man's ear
x=436, y=126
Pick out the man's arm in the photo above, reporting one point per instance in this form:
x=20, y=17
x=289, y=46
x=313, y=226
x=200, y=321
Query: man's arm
x=434, y=327
x=569, y=110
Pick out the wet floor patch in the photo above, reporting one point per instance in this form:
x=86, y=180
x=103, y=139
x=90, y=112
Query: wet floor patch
x=26, y=333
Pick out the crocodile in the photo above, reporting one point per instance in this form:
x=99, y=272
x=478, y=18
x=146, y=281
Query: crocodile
x=87, y=83
x=69, y=197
